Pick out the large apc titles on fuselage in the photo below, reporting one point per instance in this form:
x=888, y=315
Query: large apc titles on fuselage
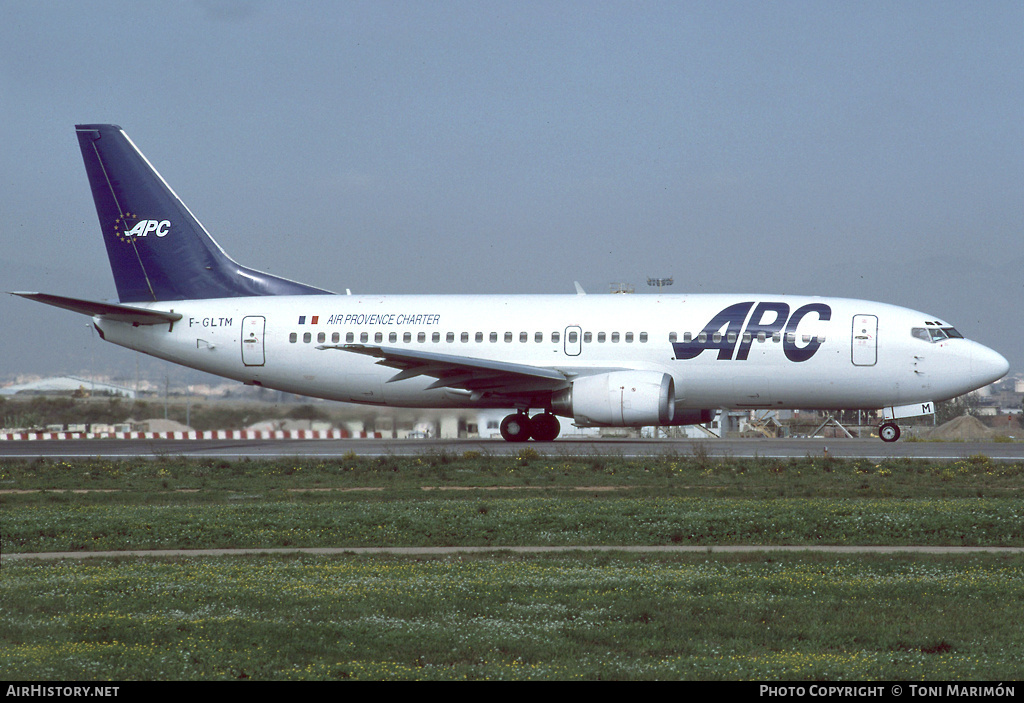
x=770, y=320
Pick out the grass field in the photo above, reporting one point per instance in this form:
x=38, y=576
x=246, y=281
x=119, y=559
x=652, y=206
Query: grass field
x=771, y=616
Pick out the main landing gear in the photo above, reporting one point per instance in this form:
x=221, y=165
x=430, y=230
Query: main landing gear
x=889, y=431
x=520, y=427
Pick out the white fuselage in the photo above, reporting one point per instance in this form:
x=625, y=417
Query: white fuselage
x=836, y=353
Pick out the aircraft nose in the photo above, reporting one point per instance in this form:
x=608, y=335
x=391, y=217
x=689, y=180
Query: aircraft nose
x=988, y=365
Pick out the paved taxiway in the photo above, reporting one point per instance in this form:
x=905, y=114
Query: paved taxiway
x=268, y=449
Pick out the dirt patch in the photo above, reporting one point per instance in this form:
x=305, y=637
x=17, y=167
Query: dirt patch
x=963, y=427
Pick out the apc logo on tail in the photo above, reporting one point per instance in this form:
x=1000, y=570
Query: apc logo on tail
x=727, y=333
x=126, y=228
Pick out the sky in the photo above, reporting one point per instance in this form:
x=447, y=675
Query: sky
x=868, y=150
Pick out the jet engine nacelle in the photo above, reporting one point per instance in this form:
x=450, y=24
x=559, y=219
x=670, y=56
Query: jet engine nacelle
x=618, y=399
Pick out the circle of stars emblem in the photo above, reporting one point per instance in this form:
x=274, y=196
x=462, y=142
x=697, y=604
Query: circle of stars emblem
x=122, y=226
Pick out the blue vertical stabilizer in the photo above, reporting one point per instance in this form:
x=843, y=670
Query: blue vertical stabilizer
x=158, y=250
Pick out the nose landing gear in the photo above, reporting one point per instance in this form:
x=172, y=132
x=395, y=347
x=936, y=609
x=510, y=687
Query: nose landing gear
x=889, y=432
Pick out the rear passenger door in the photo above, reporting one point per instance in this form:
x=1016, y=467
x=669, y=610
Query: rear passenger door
x=252, y=340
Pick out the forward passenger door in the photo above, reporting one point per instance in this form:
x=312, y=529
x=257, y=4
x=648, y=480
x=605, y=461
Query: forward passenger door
x=865, y=340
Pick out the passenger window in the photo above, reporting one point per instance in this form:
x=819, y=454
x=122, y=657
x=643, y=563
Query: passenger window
x=587, y=337
x=321, y=338
x=643, y=338
x=421, y=337
x=479, y=337
x=672, y=336
x=508, y=336
x=464, y=337
x=378, y=337
x=307, y=337
x=493, y=337
x=336, y=337
x=293, y=337
x=436, y=337
x=615, y=337
x=702, y=337
x=523, y=337
x=393, y=337
x=600, y=337
x=573, y=336
x=349, y=337
x=538, y=337
x=450, y=337
x=364, y=336
x=629, y=337
x=555, y=337
x=407, y=337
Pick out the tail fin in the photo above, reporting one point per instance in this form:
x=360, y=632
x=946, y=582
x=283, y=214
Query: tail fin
x=158, y=250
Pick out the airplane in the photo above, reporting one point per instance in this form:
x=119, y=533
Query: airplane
x=601, y=360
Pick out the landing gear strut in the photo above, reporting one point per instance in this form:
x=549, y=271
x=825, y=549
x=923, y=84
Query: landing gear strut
x=889, y=432
x=520, y=427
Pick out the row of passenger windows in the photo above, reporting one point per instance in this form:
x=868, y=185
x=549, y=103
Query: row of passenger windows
x=572, y=337
x=435, y=337
x=731, y=337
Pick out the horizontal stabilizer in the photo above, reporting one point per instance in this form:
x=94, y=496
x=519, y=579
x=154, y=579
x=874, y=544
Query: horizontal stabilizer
x=108, y=311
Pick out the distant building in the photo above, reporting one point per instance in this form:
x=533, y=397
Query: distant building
x=68, y=385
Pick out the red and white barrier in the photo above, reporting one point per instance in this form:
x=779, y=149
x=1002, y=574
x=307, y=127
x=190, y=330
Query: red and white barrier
x=211, y=434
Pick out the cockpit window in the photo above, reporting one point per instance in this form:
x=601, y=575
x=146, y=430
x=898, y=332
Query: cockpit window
x=935, y=334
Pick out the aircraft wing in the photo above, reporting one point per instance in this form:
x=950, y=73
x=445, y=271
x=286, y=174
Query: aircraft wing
x=478, y=376
x=108, y=311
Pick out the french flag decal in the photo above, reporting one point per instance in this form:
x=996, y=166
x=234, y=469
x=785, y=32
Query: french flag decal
x=312, y=320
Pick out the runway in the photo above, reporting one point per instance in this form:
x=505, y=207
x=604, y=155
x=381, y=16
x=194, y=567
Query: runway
x=872, y=449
